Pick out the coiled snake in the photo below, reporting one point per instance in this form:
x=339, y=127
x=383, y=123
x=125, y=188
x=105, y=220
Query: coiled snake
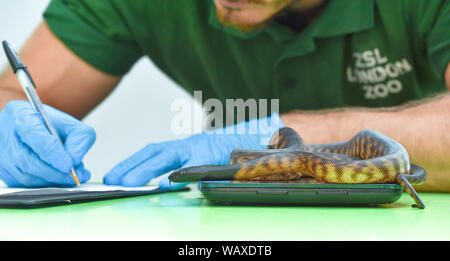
x=368, y=157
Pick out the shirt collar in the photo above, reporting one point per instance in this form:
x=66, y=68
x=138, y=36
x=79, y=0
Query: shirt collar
x=339, y=17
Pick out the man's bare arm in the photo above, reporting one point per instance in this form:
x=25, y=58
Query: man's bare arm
x=422, y=127
x=447, y=76
x=63, y=80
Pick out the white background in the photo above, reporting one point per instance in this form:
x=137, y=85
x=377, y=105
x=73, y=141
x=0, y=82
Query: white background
x=137, y=113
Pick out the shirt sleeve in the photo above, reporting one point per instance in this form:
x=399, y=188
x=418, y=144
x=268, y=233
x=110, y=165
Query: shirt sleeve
x=96, y=32
x=434, y=26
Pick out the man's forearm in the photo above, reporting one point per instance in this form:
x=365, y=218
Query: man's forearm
x=423, y=128
x=9, y=94
x=9, y=88
x=64, y=81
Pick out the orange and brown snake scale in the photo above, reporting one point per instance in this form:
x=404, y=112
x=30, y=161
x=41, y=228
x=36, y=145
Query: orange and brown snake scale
x=368, y=157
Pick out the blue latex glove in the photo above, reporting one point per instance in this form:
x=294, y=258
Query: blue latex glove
x=212, y=147
x=31, y=157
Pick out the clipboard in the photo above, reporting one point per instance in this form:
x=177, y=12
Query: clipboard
x=55, y=196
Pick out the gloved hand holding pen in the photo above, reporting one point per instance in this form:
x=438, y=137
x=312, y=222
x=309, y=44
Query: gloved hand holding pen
x=31, y=157
x=212, y=147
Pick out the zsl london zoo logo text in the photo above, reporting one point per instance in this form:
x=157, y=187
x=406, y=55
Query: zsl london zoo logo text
x=376, y=74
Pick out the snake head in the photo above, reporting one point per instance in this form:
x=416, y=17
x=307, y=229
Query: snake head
x=190, y=174
x=180, y=176
x=205, y=172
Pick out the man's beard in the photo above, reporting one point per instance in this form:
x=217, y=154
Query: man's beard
x=228, y=17
x=287, y=12
x=227, y=20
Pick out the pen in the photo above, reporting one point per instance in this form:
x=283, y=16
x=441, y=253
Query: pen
x=29, y=86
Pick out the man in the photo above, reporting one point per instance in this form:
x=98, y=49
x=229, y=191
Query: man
x=324, y=61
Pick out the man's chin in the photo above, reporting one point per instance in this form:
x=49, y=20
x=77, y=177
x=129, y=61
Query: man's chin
x=239, y=19
x=248, y=16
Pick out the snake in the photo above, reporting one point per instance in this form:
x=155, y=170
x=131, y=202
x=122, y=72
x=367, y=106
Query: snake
x=368, y=157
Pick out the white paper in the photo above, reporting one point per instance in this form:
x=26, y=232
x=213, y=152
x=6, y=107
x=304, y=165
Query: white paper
x=84, y=187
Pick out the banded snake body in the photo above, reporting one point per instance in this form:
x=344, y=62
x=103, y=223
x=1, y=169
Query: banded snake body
x=368, y=157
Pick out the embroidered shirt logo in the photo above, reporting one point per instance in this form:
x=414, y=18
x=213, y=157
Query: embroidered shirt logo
x=376, y=74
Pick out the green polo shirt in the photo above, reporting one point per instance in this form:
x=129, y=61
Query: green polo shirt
x=356, y=53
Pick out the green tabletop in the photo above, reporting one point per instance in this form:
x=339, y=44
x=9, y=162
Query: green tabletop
x=188, y=216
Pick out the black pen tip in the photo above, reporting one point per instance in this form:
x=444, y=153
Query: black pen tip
x=6, y=46
x=14, y=60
